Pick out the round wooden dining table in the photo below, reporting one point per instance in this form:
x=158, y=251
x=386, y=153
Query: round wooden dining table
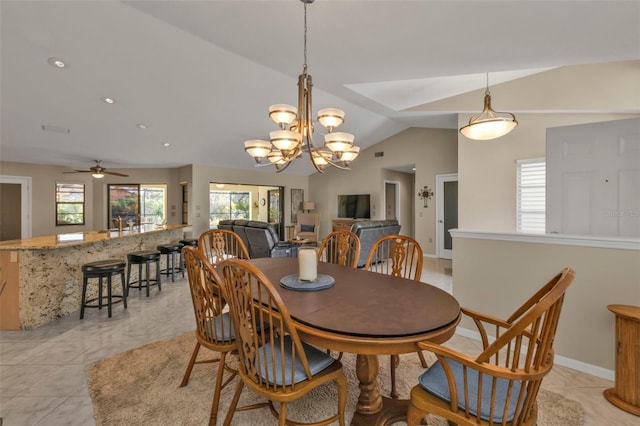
x=368, y=314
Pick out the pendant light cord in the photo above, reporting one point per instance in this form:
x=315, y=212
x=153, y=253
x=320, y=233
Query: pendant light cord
x=486, y=92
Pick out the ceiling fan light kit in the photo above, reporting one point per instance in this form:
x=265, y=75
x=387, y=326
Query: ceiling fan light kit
x=295, y=136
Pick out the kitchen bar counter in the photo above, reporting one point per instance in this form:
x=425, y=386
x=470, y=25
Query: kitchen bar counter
x=44, y=274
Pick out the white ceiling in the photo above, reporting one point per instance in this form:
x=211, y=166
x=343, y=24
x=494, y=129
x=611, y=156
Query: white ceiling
x=202, y=74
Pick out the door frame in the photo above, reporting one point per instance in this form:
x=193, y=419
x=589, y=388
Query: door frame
x=440, y=232
x=25, y=202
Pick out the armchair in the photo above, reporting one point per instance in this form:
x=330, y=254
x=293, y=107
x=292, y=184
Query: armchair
x=308, y=227
x=499, y=386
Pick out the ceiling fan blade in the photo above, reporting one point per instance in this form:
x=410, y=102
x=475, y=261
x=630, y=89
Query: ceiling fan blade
x=79, y=171
x=114, y=173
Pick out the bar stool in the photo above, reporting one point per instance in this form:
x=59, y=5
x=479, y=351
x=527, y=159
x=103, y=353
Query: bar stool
x=193, y=242
x=143, y=257
x=102, y=269
x=171, y=250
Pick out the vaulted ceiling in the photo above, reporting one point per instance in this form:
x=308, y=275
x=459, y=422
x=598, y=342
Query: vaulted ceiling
x=200, y=75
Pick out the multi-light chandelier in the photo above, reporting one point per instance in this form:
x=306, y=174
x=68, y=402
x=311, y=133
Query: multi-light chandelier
x=489, y=124
x=295, y=136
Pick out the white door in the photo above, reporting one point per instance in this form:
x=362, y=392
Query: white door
x=446, y=213
x=593, y=179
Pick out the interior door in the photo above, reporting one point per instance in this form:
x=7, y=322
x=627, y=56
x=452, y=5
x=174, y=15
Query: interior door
x=391, y=200
x=15, y=207
x=593, y=179
x=446, y=213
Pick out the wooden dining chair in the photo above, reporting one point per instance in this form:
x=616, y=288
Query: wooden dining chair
x=214, y=326
x=274, y=363
x=397, y=255
x=220, y=244
x=400, y=256
x=499, y=386
x=340, y=247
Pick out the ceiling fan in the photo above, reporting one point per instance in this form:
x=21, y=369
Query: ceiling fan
x=98, y=171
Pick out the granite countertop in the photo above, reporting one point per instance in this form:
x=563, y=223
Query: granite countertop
x=78, y=238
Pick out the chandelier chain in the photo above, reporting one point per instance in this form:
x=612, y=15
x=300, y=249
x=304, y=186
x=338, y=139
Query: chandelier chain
x=305, y=38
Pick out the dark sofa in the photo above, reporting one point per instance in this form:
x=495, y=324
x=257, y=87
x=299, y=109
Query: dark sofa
x=368, y=231
x=260, y=238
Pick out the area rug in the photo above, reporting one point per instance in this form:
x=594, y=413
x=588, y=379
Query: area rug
x=141, y=387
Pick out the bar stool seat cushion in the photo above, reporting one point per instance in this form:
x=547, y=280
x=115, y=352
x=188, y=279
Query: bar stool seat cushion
x=170, y=248
x=189, y=242
x=103, y=267
x=143, y=255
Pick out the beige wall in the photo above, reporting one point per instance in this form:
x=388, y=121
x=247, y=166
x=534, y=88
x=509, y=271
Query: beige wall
x=496, y=277
x=487, y=170
x=197, y=178
x=433, y=151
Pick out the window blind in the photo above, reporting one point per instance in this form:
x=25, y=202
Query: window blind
x=531, y=192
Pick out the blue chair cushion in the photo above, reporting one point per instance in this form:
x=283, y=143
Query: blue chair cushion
x=307, y=228
x=435, y=382
x=224, y=328
x=317, y=359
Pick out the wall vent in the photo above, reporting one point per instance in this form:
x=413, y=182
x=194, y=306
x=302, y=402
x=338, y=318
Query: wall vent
x=55, y=129
x=379, y=154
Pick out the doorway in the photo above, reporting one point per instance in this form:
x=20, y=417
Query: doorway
x=446, y=213
x=391, y=200
x=16, y=214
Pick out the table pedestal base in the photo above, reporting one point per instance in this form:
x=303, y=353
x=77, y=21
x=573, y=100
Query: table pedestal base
x=391, y=411
x=373, y=408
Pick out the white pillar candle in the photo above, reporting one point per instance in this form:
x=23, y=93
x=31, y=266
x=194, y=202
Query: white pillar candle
x=307, y=265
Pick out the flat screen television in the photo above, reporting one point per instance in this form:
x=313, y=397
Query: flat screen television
x=356, y=206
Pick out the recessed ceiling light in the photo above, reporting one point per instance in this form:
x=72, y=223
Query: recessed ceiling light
x=414, y=169
x=141, y=126
x=56, y=62
x=108, y=100
x=166, y=144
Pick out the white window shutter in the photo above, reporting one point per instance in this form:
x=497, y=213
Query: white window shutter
x=531, y=192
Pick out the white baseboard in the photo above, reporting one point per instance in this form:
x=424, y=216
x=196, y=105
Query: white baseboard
x=591, y=369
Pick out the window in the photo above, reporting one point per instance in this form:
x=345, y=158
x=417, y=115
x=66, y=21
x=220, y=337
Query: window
x=69, y=204
x=531, y=194
x=141, y=204
x=228, y=205
x=153, y=203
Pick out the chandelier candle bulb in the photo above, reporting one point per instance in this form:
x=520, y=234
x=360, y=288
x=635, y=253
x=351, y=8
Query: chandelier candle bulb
x=307, y=264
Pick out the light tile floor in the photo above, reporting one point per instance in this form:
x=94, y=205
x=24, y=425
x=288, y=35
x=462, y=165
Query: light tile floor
x=43, y=372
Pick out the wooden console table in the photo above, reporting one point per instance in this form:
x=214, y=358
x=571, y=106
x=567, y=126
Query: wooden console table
x=626, y=393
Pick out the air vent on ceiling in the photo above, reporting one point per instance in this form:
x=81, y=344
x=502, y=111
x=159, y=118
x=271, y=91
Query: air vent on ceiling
x=379, y=154
x=55, y=129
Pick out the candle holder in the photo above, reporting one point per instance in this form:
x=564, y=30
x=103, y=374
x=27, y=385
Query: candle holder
x=307, y=264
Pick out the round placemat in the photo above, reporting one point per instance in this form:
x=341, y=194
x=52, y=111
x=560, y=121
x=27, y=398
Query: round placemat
x=292, y=283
